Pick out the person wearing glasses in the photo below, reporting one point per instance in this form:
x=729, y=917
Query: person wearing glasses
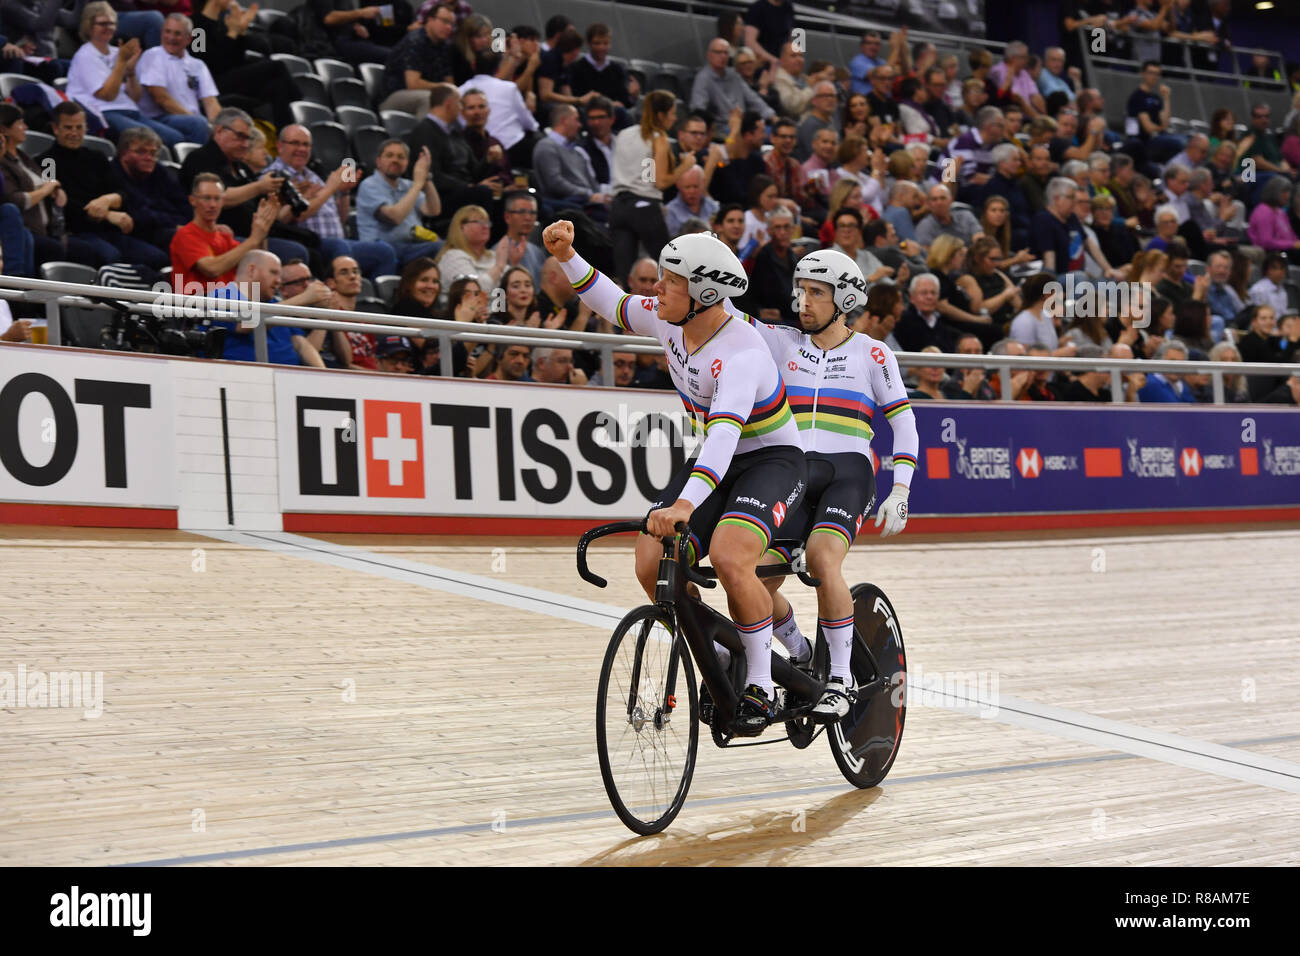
x=823, y=113
x=226, y=155
x=467, y=254
x=151, y=194
x=719, y=89
x=102, y=78
x=390, y=207
x=521, y=218
x=328, y=202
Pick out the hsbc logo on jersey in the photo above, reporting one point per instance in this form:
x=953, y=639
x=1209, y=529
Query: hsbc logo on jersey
x=716, y=368
x=792, y=365
x=878, y=355
x=648, y=304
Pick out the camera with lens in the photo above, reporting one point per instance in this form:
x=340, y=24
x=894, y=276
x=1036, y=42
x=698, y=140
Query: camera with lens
x=127, y=332
x=290, y=196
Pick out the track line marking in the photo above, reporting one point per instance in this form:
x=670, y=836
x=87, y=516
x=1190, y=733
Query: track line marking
x=1074, y=725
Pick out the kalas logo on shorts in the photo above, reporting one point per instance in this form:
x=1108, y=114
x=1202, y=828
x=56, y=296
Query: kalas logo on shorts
x=1150, y=461
x=1281, y=460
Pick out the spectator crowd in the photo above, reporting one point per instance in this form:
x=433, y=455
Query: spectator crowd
x=968, y=189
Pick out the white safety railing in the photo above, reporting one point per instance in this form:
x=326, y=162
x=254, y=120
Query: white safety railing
x=57, y=294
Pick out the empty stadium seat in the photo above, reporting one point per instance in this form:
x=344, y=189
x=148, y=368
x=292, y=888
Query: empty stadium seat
x=36, y=143
x=305, y=114
x=330, y=144
x=1196, y=267
x=11, y=81
x=669, y=82
x=69, y=272
x=183, y=150
x=372, y=74
x=330, y=70
x=346, y=91
x=366, y=141
x=295, y=64
x=266, y=17
x=313, y=89
x=386, y=287
x=353, y=118
x=101, y=145
x=398, y=123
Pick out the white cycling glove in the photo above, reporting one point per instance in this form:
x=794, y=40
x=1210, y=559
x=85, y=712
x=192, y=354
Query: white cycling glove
x=893, y=512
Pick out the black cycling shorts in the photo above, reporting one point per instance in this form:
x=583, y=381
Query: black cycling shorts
x=760, y=490
x=841, y=491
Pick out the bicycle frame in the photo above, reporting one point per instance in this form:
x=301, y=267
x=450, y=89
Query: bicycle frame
x=700, y=624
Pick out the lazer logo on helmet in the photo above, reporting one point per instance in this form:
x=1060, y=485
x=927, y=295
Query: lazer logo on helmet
x=720, y=276
x=849, y=279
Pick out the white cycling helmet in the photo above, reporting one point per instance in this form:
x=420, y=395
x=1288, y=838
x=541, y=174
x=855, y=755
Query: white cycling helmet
x=839, y=272
x=713, y=269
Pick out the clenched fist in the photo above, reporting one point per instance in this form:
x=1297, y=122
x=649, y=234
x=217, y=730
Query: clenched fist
x=558, y=239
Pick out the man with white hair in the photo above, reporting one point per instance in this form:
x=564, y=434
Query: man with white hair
x=179, y=91
x=1055, y=234
x=921, y=324
x=975, y=147
x=944, y=219
x=691, y=200
x=1194, y=155
x=258, y=280
x=555, y=367
x=1166, y=386
x=823, y=113
x=1054, y=78
x=772, y=276
x=1023, y=88
x=1005, y=182
x=1177, y=179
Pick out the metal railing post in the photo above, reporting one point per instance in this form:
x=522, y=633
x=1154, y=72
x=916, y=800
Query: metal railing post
x=445, y=367
x=1116, y=385
x=259, y=342
x=54, y=321
x=1216, y=381
x=607, y=365
x=1004, y=376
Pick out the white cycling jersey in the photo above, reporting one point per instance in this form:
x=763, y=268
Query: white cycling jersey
x=729, y=384
x=835, y=393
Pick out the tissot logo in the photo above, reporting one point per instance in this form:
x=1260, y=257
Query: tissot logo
x=60, y=431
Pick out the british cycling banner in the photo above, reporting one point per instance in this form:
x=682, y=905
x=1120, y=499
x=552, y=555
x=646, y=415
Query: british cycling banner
x=1034, y=458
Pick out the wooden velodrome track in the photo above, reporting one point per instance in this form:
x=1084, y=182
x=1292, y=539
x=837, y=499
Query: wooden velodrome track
x=294, y=702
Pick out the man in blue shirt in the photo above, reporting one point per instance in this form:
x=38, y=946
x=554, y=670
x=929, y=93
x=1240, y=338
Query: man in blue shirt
x=258, y=279
x=860, y=66
x=1166, y=386
x=389, y=207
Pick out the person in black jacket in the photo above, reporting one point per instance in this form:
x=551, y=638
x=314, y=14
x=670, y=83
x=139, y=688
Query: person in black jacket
x=772, y=276
x=151, y=194
x=244, y=83
x=596, y=71
x=94, y=211
x=460, y=178
x=921, y=323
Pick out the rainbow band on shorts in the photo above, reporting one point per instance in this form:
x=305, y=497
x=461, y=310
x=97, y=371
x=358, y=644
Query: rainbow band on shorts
x=830, y=527
x=742, y=520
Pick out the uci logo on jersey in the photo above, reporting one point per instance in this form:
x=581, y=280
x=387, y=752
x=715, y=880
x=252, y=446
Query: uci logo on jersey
x=816, y=360
x=672, y=346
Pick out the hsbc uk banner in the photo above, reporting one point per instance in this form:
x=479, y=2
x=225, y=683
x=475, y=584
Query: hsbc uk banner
x=424, y=446
x=1039, y=458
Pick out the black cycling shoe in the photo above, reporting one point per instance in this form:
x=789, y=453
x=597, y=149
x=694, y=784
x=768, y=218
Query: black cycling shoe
x=706, y=705
x=754, y=713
